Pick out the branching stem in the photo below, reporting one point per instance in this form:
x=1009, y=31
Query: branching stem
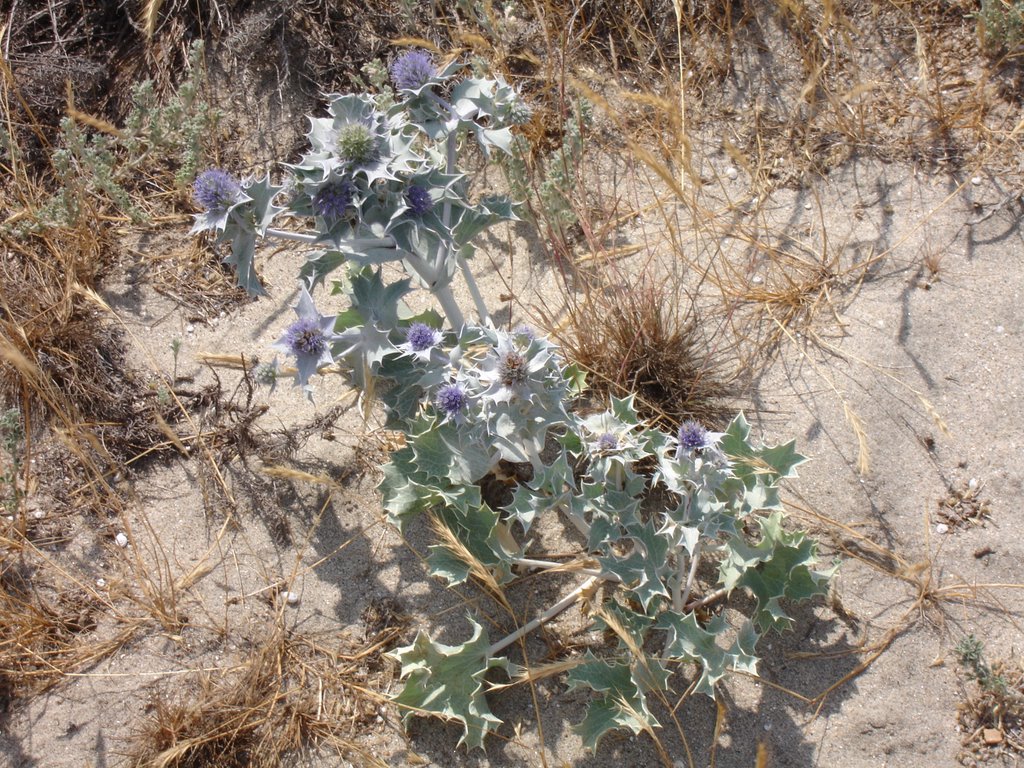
x=548, y=615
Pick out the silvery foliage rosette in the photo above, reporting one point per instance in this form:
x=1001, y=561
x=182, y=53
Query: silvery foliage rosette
x=382, y=185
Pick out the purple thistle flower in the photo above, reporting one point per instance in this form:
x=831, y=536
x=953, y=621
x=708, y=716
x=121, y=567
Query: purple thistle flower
x=451, y=399
x=418, y=200
x=524, y=332
x=607, y=442
x=692, y=436
x=421, y=337
x=305, y=337
x=308, y=340
x=216, y=190
x=332, y=200
x=412, y=70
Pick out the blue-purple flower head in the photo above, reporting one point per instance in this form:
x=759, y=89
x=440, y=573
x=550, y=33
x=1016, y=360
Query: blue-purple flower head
x=692, y=436
x=451, y=400
x=216, y=190
x=412, y=70
x=421, y=337
x=308, y=340
x=332, y=200
x=607, y=442
x=524, y=333
x=418, y=199
x=305, y=337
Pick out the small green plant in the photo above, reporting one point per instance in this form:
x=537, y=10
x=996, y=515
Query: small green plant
x=1000, y=25
x=383, y=185
x=109, y=162
x=552, y=195
x=993, y=714
x=970, y=652
x=12, y=437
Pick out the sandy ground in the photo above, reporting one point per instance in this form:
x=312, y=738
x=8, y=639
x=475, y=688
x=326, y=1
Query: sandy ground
x=954, y=340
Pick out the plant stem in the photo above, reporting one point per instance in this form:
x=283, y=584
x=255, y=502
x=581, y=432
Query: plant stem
x=450, y=306
x=694, y=562
x=677, y=586
x=711, y=597
x=474, y=290
x=549, y=614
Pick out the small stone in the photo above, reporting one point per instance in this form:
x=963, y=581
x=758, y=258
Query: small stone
x=292, y=598
x=807, y=206
x=976, y=180
x=101, y=583
x=121, y=540
x=732, y=173
x=992, y=736
x=190, y=328
x=941, y=528
x=972, y=483
x=757, y=280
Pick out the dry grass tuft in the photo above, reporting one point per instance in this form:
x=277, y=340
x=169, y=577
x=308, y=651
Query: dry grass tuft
x=638, y=340
x=289, y=693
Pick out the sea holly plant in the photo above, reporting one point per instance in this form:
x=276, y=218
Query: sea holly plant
x=381, y=183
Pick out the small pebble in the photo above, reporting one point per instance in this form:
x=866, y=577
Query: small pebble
x=972, y=483
x=121, y=540
x=101, y=583
x=757, y=280
x=976, y=180
x=732, y=173
x=292, y=598
x=941, y=528
x=807, y=206
x=999, y=329
x=992, y=736
x=190, y=328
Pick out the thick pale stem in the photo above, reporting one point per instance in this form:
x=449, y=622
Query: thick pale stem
x=474, y=291
x=446, y=210
x=450, y=306
x=548, y=615
x=577, y=520
x=677, y=586
x=694, y=562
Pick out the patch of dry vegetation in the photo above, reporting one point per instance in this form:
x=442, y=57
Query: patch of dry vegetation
x=290, y=694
